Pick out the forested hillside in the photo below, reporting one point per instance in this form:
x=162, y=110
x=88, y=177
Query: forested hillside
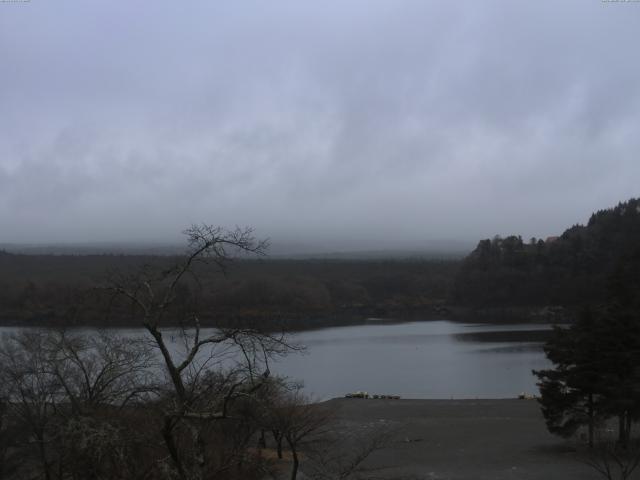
x=65, y=289
x=579, y=268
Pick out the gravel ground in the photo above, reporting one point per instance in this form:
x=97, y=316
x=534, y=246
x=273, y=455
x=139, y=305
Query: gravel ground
x=464, y=439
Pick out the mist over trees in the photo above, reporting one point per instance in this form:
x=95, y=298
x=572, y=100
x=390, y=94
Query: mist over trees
x=571, y=270
x=197, y=402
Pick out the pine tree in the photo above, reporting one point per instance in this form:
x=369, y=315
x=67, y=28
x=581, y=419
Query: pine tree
x=571, y=392
x=596, y=373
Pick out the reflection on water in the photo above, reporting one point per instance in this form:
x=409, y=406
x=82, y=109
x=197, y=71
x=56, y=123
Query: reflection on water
x=431, y=359
x=436, y=359
x=525, y=347
x=538, y=335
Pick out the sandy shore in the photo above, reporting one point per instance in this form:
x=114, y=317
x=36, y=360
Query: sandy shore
x=464, y=439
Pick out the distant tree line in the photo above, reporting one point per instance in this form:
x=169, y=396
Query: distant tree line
x=571, y=270
x=501, y=273
x=61, y=290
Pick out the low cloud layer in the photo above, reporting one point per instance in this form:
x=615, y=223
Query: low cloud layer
x=371, y=124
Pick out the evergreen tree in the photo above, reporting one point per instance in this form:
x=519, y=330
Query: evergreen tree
x=620, y=365
x=596, y=374
x=571, y=391
x=569, y=270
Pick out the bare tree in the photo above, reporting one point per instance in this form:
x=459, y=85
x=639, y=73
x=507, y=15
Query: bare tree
x=330, y=449
x=343, y=453
x=98, y=370
x=10, y=434
x=271, y=412
x=60, y=390
x=238, y=356
x=32, y=393
x=92, y=406
x=292, y=417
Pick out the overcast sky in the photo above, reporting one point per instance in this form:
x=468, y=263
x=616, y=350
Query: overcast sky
x=353, y=124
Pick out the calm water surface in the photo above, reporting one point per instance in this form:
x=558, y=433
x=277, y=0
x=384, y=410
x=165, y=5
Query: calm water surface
x=435, y=359
x=430, y=359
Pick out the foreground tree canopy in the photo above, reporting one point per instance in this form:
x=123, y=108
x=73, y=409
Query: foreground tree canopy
x=183, y=403
x=94, y=406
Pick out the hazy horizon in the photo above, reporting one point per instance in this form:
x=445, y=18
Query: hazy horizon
x=275, y=250
x=351, y=126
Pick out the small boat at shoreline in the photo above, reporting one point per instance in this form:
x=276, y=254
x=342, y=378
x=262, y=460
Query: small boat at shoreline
x=376, y=396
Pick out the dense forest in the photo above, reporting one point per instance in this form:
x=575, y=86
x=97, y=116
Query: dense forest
x=66, y=289
x=577, y=269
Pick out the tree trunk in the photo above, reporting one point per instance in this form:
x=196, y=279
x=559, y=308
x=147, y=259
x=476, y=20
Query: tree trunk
x=294, y=455
x=591, y=420
x=623, y=429
x=176, y=378
x=200, y=449
x=296, y=463
x=167, y=435
x=43, y=457
x=277, y=436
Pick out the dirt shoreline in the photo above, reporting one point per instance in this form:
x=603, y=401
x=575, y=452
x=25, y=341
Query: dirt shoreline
x=465, y=439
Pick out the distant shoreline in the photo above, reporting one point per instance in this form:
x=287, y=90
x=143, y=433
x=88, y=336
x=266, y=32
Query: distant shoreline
x=315, y=322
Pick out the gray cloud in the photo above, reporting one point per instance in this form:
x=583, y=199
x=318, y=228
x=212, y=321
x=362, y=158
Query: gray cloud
x=362, y=123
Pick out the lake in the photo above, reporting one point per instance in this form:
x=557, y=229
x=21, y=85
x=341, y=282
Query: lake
x=426, y=359
x=429, y=359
